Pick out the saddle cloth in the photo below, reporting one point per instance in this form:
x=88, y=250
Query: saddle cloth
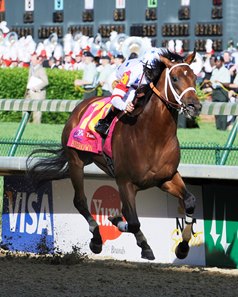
x=83, y=137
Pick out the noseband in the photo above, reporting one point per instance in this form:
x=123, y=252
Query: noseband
x=179, y=105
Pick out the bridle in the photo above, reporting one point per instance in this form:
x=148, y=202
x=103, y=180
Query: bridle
x=180, y=106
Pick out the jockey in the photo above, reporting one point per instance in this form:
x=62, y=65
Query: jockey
x=130, y=75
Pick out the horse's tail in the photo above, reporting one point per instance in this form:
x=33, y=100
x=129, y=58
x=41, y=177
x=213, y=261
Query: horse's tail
x=53, y=166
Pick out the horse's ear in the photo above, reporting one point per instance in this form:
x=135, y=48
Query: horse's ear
x=189, y=59
x=166, y=61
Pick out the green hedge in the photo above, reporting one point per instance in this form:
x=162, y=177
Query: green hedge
x=61, y=86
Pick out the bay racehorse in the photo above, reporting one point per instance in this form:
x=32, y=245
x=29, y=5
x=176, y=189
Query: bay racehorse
x=145, y=151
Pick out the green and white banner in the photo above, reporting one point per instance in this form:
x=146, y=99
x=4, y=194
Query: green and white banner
x=220, y=204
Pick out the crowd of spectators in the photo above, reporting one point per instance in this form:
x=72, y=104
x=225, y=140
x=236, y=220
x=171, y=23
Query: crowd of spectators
x=217, y=72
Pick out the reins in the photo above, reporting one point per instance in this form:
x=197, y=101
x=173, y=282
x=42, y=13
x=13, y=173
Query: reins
x=168, y=103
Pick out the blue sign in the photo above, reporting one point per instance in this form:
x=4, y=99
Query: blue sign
x=59, y=4
x=27, y=218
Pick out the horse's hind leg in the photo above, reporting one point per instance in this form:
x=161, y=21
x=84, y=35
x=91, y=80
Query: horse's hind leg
x=132, y=224
x=177, y=188
x=76, y=166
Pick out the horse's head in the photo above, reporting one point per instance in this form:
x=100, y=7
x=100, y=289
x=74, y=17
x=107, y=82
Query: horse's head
x=180, y=84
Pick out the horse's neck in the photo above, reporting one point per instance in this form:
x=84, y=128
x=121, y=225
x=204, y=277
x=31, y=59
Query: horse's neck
x=161, y=116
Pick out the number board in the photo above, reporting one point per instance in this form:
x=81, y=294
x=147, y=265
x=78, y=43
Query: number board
x=150, y=14
x=144, y=30
x=176, y=29
x=190, y=21
x=88, y=15
x=186, y=44
x=28, y=17
x=58, y=16
x=216, y=12
x=23, y=30
x=200, y=44
x=105, y=30
x=119, y=15
x=209, y=29
x=184, y=13
x=45, y=31
x=86, y=30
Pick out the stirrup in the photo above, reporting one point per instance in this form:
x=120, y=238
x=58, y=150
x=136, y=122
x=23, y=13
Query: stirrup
x=102, y=128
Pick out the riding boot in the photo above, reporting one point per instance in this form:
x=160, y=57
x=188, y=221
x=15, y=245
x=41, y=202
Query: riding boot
x=102, y=126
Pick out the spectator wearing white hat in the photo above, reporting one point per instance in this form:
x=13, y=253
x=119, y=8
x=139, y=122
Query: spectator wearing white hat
x=67, y=63
x=88, y=81
x=58, y=55
x=78, y=53
x=3, y=28
x=105, y=70
x=116, y=62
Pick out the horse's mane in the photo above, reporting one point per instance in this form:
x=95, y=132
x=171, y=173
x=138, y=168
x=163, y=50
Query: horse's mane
x=153, y=72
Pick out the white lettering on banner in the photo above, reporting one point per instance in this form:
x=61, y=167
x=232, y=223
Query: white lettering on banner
x=13, y=213
x=22, y=209
x=104, y=217
x=113, y=212
x=22, y=215
x=31, y=228
x=44, y=219
x=97, y=205
x=104, y=213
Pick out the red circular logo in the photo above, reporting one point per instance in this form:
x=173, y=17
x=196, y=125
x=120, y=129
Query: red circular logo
x=106, y=203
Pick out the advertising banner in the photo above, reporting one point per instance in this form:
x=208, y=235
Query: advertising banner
x=46, y=221
x=221, y=224
x=27, y=218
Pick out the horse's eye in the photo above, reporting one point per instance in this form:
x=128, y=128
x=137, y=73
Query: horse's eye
x=174, y=78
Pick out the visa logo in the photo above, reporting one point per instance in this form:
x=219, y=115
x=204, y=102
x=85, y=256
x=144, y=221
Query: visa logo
x=23, y=216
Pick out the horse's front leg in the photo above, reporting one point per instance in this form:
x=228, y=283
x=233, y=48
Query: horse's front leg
x=127, y=194
x=80, y=202
x=177, y=188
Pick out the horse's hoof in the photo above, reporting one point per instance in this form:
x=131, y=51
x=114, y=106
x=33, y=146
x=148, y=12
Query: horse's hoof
x=182, y=250
x=95, y=248
x=147, y=254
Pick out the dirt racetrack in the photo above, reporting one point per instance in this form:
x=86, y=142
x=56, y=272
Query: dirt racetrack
x=76, y=275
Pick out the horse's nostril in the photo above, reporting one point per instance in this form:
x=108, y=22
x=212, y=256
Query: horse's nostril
x=191, y=107
x=195, y=107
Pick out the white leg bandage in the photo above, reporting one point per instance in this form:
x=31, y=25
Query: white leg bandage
x=188, y=219
x=122, y=226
